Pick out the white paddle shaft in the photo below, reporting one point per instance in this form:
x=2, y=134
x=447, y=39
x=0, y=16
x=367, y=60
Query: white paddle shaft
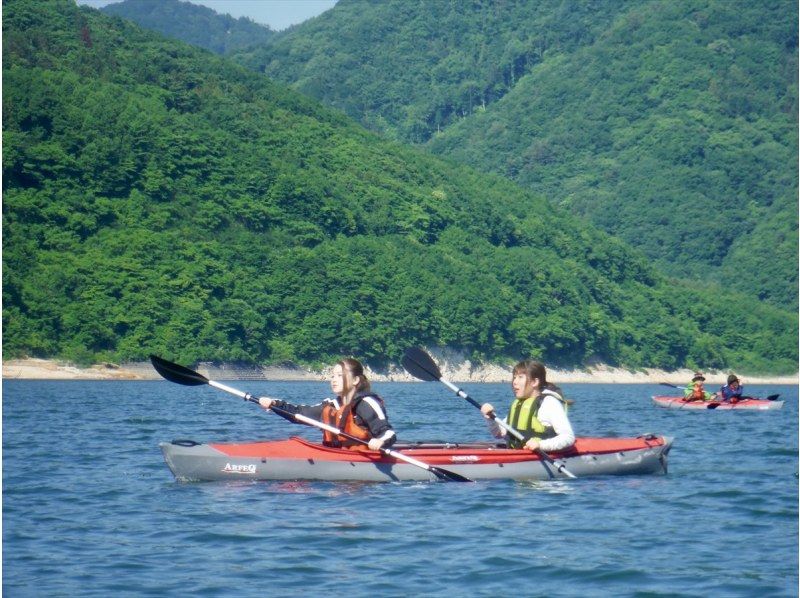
x=334, y=430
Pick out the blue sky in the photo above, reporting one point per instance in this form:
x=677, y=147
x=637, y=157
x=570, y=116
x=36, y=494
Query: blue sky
x=278, y=14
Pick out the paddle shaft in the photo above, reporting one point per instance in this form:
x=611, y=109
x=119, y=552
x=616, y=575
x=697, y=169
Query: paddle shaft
x=670, y=385
x=442, y=474
x=334, y=430
x=229, y=389
x=511, y=430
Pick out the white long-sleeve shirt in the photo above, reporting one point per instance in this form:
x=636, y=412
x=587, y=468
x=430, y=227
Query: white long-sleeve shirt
x=552, y=415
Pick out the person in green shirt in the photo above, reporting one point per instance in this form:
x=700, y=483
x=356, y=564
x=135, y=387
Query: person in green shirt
x=694, y=391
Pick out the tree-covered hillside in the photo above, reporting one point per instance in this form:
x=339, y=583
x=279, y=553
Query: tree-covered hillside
x=411, y=69
x=672, y=125
x=676, y=132
x=194, y=24
x=159, y=199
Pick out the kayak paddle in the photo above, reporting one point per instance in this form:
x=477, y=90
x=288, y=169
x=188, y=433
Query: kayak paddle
x=183, y=375
x=420, y=365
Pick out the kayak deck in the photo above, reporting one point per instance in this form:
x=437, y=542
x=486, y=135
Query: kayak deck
x=299, y=459
x=742, y=405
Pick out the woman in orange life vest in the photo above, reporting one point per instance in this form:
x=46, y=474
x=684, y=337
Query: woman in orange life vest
x=355, y=410
x=538, y=411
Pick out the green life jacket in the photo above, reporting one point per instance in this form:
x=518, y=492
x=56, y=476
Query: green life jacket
x=524, y=417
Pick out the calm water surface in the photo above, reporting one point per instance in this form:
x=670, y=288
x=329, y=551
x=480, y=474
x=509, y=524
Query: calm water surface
x=90, y=508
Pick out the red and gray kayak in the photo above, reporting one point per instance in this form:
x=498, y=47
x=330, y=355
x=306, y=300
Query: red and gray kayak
x=742, y=405
x=299, y=459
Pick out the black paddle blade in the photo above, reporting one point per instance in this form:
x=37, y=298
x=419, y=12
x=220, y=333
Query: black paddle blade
x=450, y=476
x=772, y=397
x=177, y=373
x=420, y=365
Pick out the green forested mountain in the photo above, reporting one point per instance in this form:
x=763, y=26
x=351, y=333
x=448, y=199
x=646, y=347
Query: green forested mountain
x=411, y=69
x=672, y=125
x=159, y=199
x=194, y=24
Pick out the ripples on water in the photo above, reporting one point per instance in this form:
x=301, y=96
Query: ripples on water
x=90, y=508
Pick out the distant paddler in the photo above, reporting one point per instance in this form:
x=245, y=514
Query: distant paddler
x=732, y=391
x=695, y=391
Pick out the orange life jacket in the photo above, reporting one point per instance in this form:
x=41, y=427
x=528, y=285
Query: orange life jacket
x=344, y=419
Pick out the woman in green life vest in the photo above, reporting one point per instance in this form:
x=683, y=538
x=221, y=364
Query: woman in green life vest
x=538, y=412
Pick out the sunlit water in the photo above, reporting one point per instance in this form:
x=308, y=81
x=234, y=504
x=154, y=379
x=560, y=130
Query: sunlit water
x=90, y=508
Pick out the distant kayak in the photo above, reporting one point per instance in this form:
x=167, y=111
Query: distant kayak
x=744, y=404
x=299, y=459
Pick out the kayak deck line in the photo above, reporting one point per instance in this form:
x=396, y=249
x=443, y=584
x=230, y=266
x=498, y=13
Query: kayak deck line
x=296, y=458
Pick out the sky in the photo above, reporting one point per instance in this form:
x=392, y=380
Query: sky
x=278, y=14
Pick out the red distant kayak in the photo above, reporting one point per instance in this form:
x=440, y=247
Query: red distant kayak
x=744, y=404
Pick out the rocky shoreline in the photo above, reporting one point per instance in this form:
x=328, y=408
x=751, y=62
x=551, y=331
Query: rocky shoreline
x=458, y=370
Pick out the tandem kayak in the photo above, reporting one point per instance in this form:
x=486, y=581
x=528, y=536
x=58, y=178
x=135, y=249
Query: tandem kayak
x=744, y=404
x=299, y=459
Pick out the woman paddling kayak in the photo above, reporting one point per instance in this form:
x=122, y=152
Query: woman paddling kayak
x=538, y=412
x=355, y=411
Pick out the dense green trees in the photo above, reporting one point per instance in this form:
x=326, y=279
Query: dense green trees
x=159, y=199
x=410, y=69
x=686, y=147
x=672, y=125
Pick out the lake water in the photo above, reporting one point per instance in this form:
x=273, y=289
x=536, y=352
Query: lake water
x=90, y=508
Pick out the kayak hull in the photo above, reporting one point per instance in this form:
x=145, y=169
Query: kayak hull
x=298, y=459
x=743, y=405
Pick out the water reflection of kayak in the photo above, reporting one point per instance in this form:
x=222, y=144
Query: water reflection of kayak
x=299, y=459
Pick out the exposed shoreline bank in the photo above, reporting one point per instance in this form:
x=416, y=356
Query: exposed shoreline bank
x=458, y=371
